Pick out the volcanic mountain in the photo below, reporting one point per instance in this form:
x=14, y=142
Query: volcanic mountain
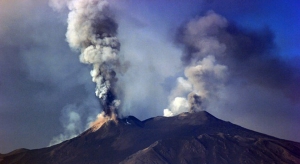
x=188, y=138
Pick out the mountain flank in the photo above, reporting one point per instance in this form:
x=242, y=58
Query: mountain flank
x=188, y=138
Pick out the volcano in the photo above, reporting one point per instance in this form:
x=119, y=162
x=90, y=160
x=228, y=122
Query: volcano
x=188, y=138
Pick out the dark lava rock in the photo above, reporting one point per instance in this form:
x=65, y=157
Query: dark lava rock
x=187, y=138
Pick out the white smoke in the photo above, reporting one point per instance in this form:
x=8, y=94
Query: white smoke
x=72, y=124
x=183, y=88
x=204, y=75
x=178, y=102
x=76, y=118
x=177, y=106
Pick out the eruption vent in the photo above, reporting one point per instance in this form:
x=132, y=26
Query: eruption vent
x=92, y=30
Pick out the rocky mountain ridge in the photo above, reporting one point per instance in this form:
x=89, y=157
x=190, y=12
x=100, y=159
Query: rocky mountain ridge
x=186, y=138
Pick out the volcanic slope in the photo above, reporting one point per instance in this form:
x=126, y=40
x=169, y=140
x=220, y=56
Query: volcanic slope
x=186, y=139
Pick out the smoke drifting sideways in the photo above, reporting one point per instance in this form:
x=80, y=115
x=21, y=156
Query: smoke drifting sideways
x=92, y=31
x=217, y=54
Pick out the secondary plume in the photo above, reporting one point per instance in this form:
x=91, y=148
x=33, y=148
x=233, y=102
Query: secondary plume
x=72, y=123
x=204, y=75
x=219, y=56
x=92, y=31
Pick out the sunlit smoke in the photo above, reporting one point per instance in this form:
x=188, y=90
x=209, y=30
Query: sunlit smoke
x=204, y=75
x=177, y=106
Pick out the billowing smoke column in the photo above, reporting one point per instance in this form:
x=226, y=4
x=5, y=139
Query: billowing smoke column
x=92, y=30
x=218, y=54
x=205, y=76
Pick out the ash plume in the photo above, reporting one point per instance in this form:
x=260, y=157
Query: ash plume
x=204, y=76
x=194, y=102
x=92, y=30
x=217, y=54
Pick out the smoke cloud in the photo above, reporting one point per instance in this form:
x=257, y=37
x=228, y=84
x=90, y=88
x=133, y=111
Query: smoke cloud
x=72, y=124
x=92, y=30
x=75, y=118
x=204, y=75
x=250, y=55
x=238, y=66
x=218, y=54
x=218, y=57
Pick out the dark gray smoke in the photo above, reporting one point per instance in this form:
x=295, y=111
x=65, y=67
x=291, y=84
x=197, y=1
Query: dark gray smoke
x=218, y=52
x=39, y=75
x=195, y=102
x=203, y=72
x=248, y=54
x=92, y=30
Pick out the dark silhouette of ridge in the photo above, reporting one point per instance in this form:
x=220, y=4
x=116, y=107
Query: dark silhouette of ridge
x=187, y=138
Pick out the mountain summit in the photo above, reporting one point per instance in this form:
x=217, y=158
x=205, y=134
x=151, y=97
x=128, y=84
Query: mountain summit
x=186, y=139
